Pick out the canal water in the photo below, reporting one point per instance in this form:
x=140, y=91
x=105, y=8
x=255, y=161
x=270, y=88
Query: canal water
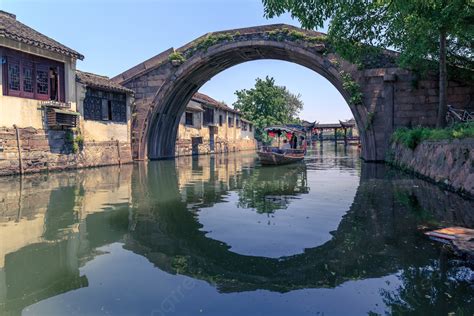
x=224, y=236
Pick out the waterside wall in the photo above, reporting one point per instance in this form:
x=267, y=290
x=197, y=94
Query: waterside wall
x=447, y=162
x=29, y=150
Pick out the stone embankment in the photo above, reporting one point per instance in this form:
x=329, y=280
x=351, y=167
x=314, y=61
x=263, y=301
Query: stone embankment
x=447, y=162
x=185, y=147
x=29, y=150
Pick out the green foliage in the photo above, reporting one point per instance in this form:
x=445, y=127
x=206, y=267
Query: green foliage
x=411, y=27
x=69, y=136
x=76, y=141
x=268, y=104
x=352, y=87
x=410, y=138
x=80, y=140
x=213, y=39
x=294, y=35
x=176, y=56
x=75, y=148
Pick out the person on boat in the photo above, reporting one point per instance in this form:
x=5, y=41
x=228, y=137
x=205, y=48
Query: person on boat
x=303, y=144
x=285, y=145
x=294, y=141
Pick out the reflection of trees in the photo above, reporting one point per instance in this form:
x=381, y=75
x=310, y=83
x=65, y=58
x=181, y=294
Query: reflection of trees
x=437, y=289
x=271, y=188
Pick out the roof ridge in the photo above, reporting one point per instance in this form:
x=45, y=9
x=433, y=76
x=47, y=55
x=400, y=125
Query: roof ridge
x=91, y=73
x=11, y=15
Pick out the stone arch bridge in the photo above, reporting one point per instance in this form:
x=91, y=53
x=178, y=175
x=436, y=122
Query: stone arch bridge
x=380, y=95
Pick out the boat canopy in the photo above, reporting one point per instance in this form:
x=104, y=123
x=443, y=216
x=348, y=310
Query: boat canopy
x=279, y=130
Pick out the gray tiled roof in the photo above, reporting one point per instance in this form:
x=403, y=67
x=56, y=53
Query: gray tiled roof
x=100, y=82
x=203, y=98
x=12, y=29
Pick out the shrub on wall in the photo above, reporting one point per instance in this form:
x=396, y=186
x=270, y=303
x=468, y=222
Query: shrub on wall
x=176, y=57
x=410, y=138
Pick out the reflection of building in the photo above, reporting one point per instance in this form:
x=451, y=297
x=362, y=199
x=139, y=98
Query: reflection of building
x=57, y=223
x=209, y=126
x=46, y=104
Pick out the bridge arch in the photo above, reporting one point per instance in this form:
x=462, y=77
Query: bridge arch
x=164, y=84
x=170, y=101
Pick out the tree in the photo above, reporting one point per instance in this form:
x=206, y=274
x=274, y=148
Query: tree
x=424, y=32
x=268, y=104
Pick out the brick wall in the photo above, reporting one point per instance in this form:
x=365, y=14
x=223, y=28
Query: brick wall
x=42, y=150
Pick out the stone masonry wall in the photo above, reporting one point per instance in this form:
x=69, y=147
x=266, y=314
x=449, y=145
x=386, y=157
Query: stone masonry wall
x=449, y=163
x=184, y=147
x=43, y=150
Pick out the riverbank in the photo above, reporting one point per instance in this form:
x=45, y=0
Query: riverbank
x=449, y=163
x=30, y=150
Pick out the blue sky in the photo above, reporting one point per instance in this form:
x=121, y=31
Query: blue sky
x=115, y=35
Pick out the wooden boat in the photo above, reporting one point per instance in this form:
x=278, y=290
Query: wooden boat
x=275, y=156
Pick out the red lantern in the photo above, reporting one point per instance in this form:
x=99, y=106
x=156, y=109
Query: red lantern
x=271, y=134
x=289, y=135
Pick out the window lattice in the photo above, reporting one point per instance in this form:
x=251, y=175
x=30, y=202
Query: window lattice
x=93, y=108
x=41, y=81
x=104, y=106
x=28, y=78
x=14, y=76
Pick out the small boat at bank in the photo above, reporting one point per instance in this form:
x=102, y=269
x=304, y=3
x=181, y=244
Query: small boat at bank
x=275, y=156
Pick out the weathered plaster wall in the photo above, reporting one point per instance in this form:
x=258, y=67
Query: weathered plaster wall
x=450, y=163
x=42, y=150
x=27, y=112
x=226, y=139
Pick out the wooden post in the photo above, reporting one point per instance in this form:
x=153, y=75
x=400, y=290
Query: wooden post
x=118, y=153
x=335, y=135
x=345, y=136
x=18, y=145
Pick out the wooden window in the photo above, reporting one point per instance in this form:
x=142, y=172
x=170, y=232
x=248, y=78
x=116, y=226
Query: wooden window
x=237, y=122
x=250, y=127
x=221, y=120
x=119, y=111
x=27, y=79
x=92, y=108
x=105, y=106
x=106, y=109
x=188, y=120
x=208, y=116
x=42, y=84
x=13, y=77
x=33, y=77
x=230, y=121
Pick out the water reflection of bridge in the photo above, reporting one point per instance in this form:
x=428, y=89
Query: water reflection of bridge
x=149, y=212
